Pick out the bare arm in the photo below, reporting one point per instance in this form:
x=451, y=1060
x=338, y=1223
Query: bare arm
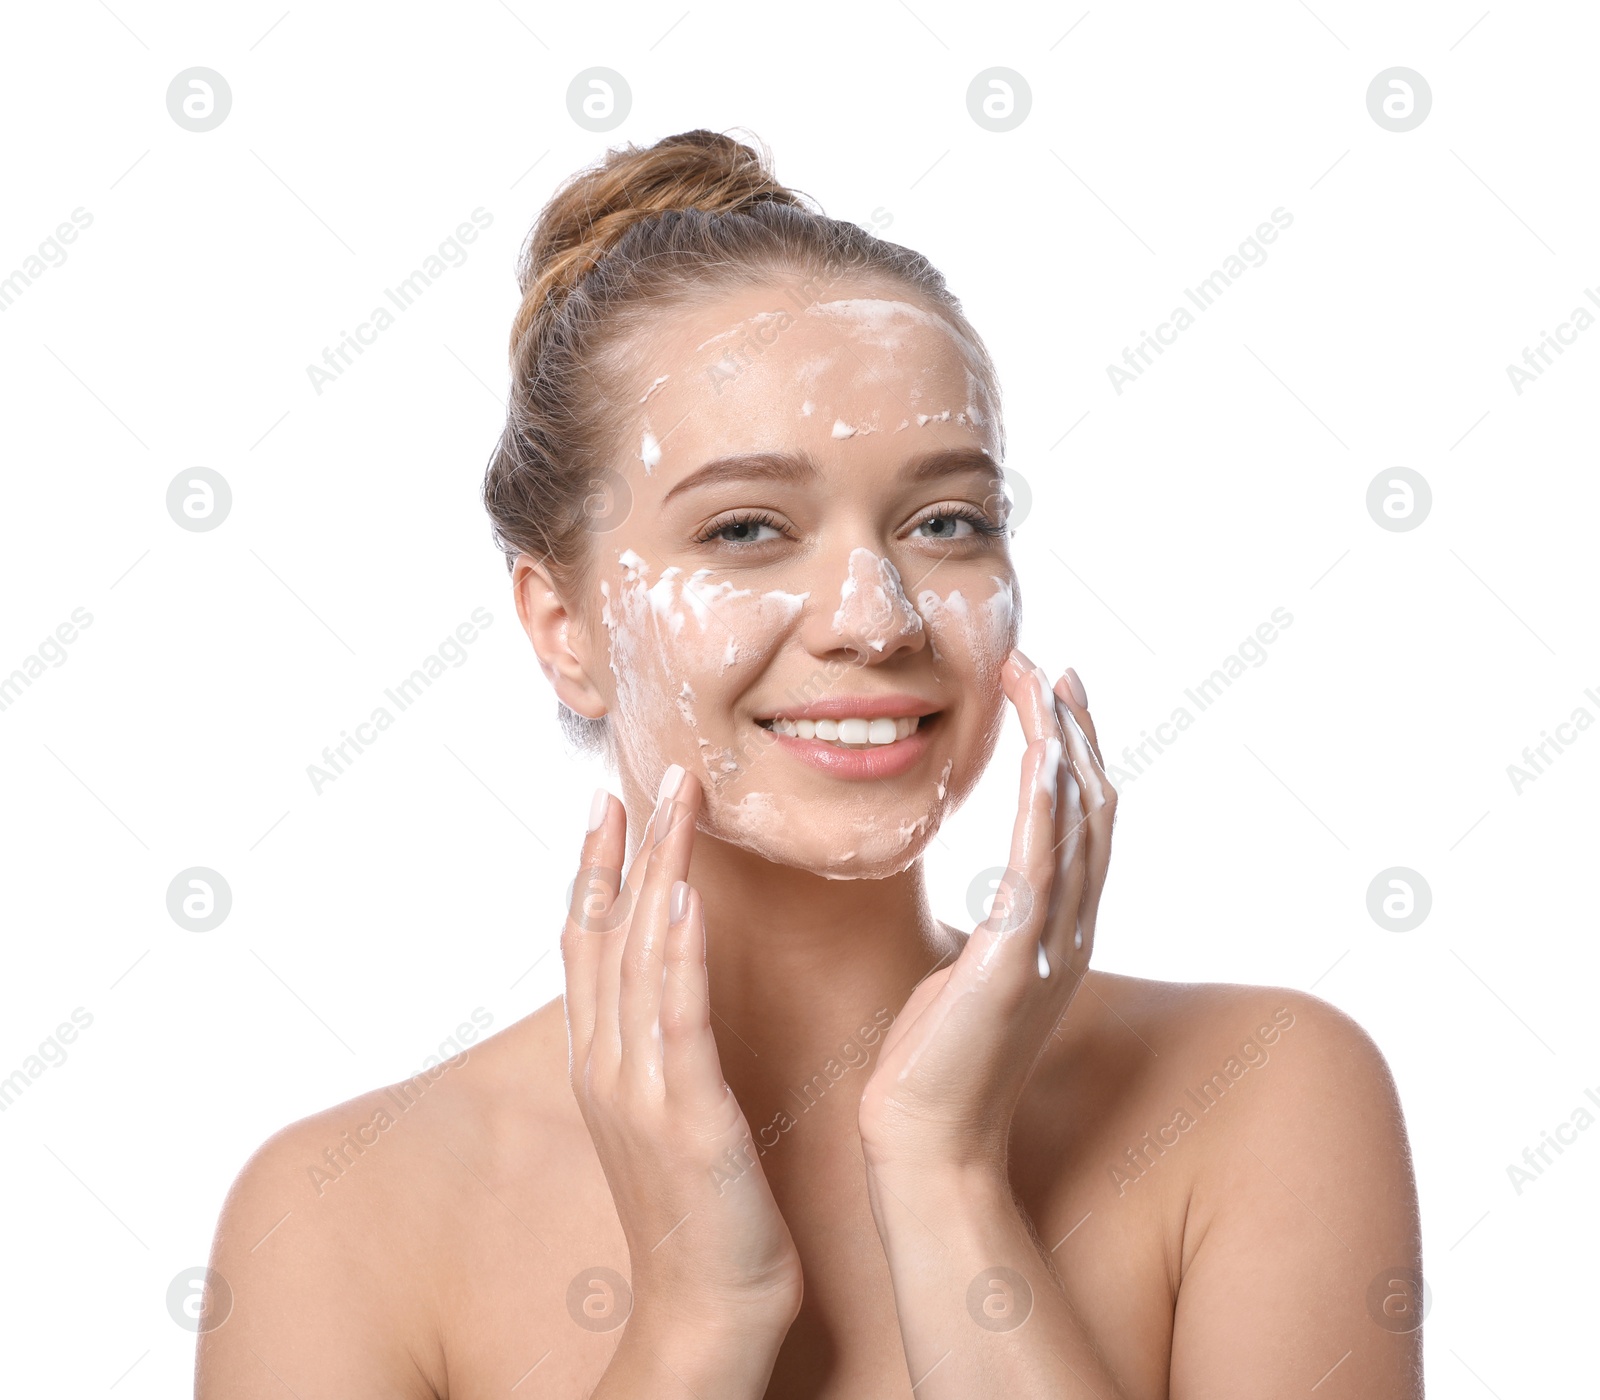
x=317, y=1306
x=1305, y=1242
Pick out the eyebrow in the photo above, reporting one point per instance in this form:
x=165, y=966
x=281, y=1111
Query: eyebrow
x=798, y=468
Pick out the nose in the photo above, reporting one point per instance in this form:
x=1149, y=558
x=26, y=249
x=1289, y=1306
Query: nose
x=874, y=619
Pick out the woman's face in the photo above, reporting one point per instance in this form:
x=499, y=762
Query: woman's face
x=816, y=528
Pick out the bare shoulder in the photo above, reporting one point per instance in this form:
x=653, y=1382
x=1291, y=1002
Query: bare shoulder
x=337, y=1244
x=1268, y=1120
x=1188, y=1019
x=1251, y=1071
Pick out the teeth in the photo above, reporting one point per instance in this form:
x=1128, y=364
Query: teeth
x=854, y=732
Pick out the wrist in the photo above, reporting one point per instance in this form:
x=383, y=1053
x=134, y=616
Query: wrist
x=719, y=1350
x=679, y=1313
x=944, y=1188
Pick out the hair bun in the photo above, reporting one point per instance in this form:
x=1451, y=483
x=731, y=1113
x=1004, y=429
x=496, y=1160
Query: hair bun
x=592, y=210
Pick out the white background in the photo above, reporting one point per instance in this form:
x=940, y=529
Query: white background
x=1165, y=524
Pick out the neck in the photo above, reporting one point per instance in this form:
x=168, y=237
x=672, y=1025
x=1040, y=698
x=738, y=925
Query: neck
x=806, y=973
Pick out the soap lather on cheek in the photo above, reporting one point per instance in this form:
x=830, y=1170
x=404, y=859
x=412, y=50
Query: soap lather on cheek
x=988, y=631
x=661, y=635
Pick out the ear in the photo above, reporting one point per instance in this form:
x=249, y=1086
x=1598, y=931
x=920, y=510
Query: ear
x=558, y=637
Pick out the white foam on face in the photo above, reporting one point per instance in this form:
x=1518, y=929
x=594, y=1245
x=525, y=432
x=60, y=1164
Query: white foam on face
x=746, y=325
x=662, y=634
x=976, y=389
x=880, y=321
x=655, y=384
x=717, y=759
x=753, y=816
x=996, y=631
x=841, y=429
x=872, y=604
x=692, y=655
x=813, y=367
x=985, y=631
x=669, y=648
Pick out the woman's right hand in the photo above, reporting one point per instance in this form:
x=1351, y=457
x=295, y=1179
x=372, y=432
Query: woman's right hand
x=710, y=1250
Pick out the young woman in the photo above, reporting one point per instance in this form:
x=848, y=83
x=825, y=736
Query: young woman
x=787, y=1134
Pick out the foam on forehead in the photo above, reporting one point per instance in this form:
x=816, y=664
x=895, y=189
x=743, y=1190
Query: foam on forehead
x=883, y=320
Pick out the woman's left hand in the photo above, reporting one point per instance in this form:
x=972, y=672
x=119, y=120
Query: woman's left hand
x=952, y=1067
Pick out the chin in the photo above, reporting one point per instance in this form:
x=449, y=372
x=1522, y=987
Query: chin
x=872, y=846
x=871, y=858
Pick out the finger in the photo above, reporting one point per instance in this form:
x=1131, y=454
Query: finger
x=642, y=967
x=1074, y=692
x=693, y=1065
x=1020, y=904
x=639, y=862
x=594, y=893
x=1075, y=718
x=1064, y=939
x=1029, y=688
x=608, y=980
x=1100, y=805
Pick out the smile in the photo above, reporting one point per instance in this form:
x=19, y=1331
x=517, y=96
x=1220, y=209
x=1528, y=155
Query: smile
x=849, y=731
x=836, y=738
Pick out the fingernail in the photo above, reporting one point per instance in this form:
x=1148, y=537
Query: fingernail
x=678, y=906
x=597, y=808
x=669, y=783
x=1076, y=687
x=664, y=822
x=1022, y=659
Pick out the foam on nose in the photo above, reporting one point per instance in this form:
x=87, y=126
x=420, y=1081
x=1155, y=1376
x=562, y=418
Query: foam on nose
x=872, y=604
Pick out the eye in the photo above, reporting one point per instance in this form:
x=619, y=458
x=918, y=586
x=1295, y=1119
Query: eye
x=946, y=527
x=947, y=518
x=745, y=524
